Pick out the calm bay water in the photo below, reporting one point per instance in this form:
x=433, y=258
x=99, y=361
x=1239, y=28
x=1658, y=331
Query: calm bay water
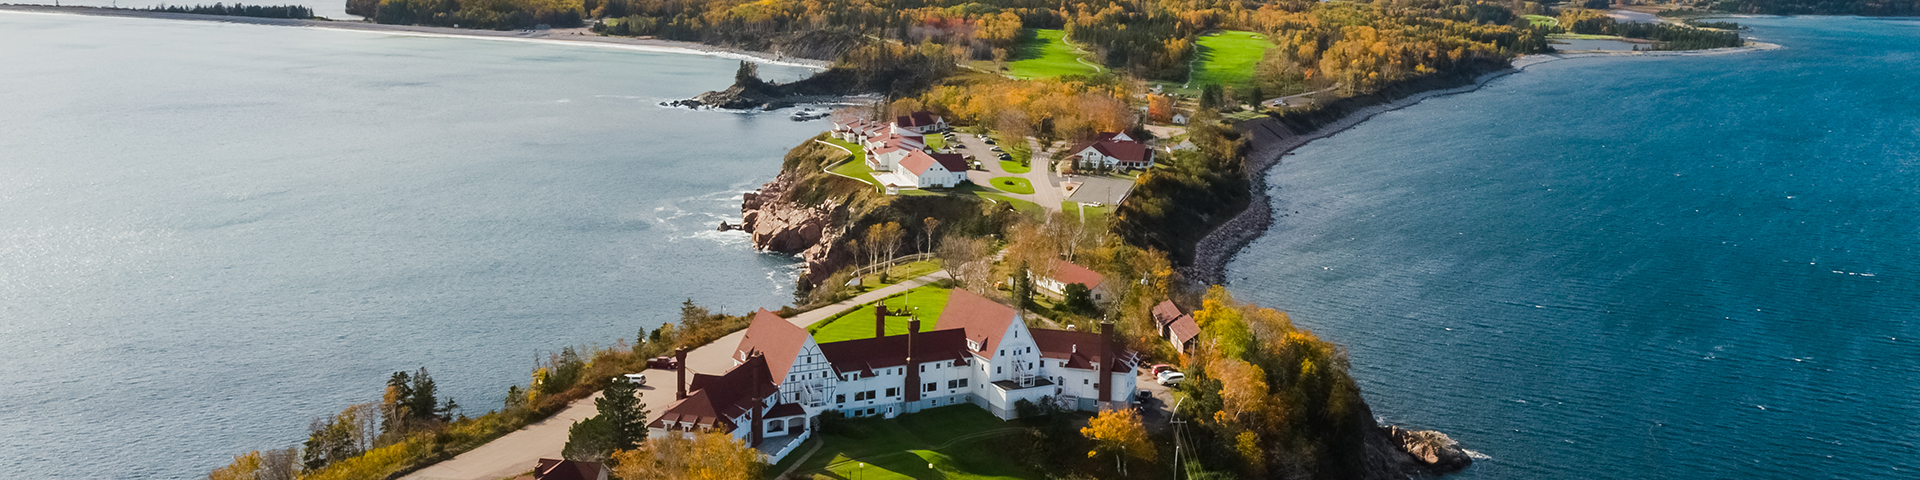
x=1698, y=267
x=211, y=233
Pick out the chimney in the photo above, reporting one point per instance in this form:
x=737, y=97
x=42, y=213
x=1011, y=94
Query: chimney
x=880, y=319
x=680, y=370
x=759, y=399
x=1102, y=370
x=913, y=367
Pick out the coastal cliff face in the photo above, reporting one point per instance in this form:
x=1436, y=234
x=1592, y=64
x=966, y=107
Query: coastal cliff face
x=776, y=224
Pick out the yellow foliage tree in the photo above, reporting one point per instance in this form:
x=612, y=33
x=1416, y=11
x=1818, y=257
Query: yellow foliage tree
x=703, y=455
x=1120, y=433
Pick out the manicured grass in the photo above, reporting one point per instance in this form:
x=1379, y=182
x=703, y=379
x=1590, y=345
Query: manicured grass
x=1543, y=20
x=926, y=301
x=1023, y=206
x=1227, y=58
x=855, y=166
x=1045, y=55
x=905, y=446
x=1581, y=36
x=1014, y=167
x=1094, y=215
x=902, y=272
x=1013, y=185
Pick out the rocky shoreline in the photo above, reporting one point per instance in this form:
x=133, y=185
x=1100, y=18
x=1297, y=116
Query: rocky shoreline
x=1272, y=140
x=777, y=225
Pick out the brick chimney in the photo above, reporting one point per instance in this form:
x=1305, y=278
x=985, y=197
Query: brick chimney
x=913, y=367
x=680, y=380
x=880, y=319
x=1102, y=370
x=759, y=399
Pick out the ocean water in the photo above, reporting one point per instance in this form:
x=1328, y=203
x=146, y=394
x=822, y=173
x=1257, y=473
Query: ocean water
x=1674, y=267
x=212, y=233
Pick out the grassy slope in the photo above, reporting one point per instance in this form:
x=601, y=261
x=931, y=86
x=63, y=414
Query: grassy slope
x=902, y=448
x=1543, y=20
x=856, y=166
x=927, y=301
x=1014, y=167
x=1227, y=58
x=1046, y=55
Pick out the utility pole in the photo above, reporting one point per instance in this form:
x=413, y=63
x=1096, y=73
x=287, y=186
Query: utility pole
x=1177, y=423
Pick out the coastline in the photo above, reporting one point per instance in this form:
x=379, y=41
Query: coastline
x=574, y=37
x=1273, y=141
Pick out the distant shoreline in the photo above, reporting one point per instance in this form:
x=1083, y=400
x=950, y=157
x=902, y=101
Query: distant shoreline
x=552, y=37
x=1219, y=247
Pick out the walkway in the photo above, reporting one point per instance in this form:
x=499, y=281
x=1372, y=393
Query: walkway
x=517, y=452
x=1047, y=190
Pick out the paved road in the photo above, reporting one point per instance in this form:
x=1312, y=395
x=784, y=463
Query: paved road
x=1046, y=185
x=516, y=453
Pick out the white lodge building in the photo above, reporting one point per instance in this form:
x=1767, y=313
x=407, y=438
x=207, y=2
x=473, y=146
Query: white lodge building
x=982, y=353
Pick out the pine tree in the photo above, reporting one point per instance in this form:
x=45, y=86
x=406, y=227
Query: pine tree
x=620, y=407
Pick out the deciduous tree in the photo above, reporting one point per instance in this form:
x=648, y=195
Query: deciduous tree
x=705, y=455
x=1119, y=433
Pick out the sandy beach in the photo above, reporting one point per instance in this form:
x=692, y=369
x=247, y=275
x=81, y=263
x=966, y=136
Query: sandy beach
x=571, y=36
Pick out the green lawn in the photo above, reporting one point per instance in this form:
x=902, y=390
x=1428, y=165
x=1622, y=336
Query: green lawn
x=1095, y=215
x=926, y=301
x=1023, y=206
x=1045, y=55
x=936, y=141
x=1013, y=185
x=1227, y=58
x=1543, y=20
x=955, y=440
x=1581, y=36
x=855, y=166
x=1014, y=167
x=902, y=272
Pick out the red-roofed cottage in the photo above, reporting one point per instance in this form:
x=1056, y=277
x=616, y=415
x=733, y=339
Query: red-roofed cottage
x=919, y=122
x=1066, y=273
x=922, y=169
x=1111, y=150
x=1176, y=326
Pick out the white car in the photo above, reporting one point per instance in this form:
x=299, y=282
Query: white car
x=1171, y=378
x=636, y=379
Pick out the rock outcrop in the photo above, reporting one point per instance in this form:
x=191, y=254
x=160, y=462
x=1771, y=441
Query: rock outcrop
x=778, y=225
x=1428, y=451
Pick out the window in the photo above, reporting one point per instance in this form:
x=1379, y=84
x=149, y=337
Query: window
x=953, y=384
x=931, y=386
x=841, y=398
x=963, y=382
x=1083, y=381
x=893, y=392
x=996, y=370
x=923, y=369
x=1003, y=351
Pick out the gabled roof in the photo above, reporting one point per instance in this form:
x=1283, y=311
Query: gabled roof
x=776, y=338
x=1184, y=329
x=1117, y=145
x=921, y=118
x=557, y=469
x=1166, y=312
x=982, y=320
x=1068, y=273
x=718, y=399
x=866, y=354
x=918, y=162
x=1121, y=136
x=1080, y=349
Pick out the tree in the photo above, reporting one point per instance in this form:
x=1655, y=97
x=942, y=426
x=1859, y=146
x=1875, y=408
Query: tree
x=1079, y=299
x=931, y=224
x=620, y=407
x=1119, y=433
x=882, y=240
x=589, y=440
x=964, y=259
x=699, y=455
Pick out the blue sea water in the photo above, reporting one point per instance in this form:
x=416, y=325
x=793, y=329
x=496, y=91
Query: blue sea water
x=212, y=233
x=1656, y=267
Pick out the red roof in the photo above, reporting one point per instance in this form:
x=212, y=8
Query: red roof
x=715, y=400
x=918, y=162
x=775, y=337
x=1123, y=150
x=1184, y=329
x=1068, y=273
x=921, y=118
x=1079, y=349
x=557, y=469
x=1166, y=312
x=983, y=320
x=867, y=354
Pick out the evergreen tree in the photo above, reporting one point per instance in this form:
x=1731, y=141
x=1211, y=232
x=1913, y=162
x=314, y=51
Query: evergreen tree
x=620, y=407
x=589, y=440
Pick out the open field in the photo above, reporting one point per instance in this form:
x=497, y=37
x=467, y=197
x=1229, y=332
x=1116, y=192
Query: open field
x=1014, y=167
x=927, y=302
x=1543, y=20
x=1013, y=185
x=1045, y=55
x=1227, y=58
x=960, y=442
x=1094, y=215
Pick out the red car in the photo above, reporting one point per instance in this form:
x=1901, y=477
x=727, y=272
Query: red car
x=663, y=363
x=1158, y=369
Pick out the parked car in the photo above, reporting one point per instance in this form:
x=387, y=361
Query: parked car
x=1158, y=369
x=1143, y=397
x=664, y=363
x=635, y=378
x=1171, y=378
